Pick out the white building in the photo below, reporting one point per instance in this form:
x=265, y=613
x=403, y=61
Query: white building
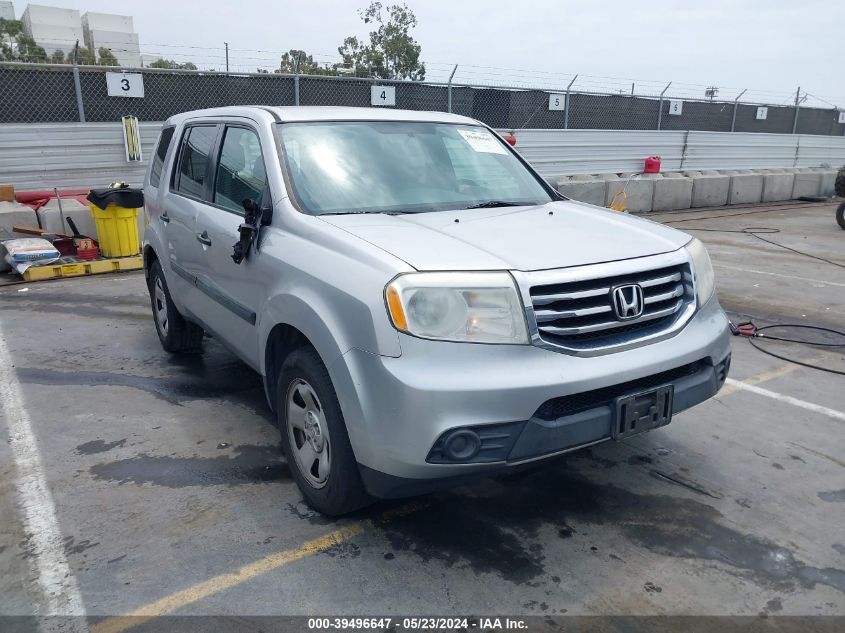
x=115, y=32
x=7, y=10
x=55, y=29
x=52, y=28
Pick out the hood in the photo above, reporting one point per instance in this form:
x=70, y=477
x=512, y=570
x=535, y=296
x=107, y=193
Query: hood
x=553, y=235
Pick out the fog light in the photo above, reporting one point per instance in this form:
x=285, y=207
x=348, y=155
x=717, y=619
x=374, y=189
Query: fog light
x=461, y=445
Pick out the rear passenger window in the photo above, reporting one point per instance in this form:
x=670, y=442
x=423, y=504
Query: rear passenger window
x=240, y=172
x=193, y=160
x=161, y=152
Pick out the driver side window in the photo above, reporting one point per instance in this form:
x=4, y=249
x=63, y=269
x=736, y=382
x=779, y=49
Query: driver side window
x=240, y=174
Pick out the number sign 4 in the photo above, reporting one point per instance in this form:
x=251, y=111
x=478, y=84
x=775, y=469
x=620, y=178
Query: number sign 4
x=383, y=95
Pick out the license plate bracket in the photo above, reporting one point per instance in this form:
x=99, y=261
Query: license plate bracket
x=640, y=412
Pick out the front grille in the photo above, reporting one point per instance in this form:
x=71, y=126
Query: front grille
x=575, y=403
x=580, y=314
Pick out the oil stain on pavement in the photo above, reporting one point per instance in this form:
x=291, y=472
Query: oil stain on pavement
x=248, y=464
x=496, y=527
x=235, y=384
x=99, y=446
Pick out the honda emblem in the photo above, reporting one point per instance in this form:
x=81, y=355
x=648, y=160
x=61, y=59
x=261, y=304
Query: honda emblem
x=627, y=301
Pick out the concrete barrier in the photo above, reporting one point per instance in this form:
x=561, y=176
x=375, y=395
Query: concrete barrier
x=639, y=189
x=709, y=189
x=54, y=221
x=589, y=189
x=673, y=191
x=828, y=182
x=12, y=213
x=745, y=187
x=777, y=184
x=807, y=183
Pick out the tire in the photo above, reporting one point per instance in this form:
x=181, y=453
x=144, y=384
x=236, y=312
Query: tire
x=309, y=415
x=175, y=332
x=839, y=183
x=840, y=216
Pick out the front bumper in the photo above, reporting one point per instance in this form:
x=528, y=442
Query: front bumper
x=396, y=409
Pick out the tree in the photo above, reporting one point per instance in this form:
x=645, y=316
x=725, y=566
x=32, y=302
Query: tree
x=107, y=58
x=392, y=52
x=58, y=57
x=29, y=51
x=17, y=46
x=170, y=64
x=83, y=56
x=10, y=30
x=296, y=60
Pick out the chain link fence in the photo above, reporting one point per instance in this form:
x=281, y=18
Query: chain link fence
x=61, y=93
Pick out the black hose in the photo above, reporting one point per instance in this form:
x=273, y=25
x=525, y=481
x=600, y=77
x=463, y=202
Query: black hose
x=756, y=231
x=757, y=335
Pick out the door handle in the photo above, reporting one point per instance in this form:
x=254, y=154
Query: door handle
x=164, y=217
x=203, y=238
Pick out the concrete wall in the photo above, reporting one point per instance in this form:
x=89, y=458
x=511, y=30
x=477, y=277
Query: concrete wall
x=556, y=153
x=70, y=155
x=47, y=155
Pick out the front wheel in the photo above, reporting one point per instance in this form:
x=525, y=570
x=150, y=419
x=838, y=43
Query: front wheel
x=840, y=216
x=314, y=436
x=175, y=332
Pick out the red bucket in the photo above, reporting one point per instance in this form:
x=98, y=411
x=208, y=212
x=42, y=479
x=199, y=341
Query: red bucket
x=652, y=165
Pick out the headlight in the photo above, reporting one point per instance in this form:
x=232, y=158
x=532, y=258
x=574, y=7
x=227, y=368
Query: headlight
x=464, y=307
x=702, y=271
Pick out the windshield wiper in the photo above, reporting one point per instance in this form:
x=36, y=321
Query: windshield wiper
x=490, y=204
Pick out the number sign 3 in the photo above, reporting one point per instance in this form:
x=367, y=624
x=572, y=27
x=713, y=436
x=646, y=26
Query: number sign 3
x=125, y=84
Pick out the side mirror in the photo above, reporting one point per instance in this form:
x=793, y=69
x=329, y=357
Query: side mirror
x=255, y=217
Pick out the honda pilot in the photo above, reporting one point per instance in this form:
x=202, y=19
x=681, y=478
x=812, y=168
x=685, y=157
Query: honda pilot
x=423, y=308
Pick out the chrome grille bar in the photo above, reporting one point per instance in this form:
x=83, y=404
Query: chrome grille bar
x=597, y=327
x=554, y=315
x=573, y=308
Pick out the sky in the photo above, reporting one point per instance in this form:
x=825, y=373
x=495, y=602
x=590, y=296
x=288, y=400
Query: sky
x=770, y=47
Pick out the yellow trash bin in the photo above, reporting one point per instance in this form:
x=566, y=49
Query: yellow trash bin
x=117, y=226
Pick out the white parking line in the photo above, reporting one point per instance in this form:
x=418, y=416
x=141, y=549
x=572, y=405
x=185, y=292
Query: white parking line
x=816, y=408
x=766, y=272
x=60, y=593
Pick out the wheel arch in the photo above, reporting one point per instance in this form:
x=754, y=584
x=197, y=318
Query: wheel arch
x=289, y=322
x=150, y=256
x=282, y=339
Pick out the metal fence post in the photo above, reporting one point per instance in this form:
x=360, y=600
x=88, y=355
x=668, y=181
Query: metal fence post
x=566, y=105
x=797, y=107
x=684, y=150
x=77, y=86
x=660, y=106
x=296, y=80
x=736, y=103
x=449, y=89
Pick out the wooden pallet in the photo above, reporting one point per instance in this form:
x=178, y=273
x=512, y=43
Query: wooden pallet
x=80, y=268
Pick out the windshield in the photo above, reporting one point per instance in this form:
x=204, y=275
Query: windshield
x=402, y=167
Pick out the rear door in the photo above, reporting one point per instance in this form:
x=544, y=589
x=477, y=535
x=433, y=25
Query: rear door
x=239, y=174
x=189, y=185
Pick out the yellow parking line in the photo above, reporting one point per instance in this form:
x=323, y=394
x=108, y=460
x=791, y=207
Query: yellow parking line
x=173, y=602
x=765, y=376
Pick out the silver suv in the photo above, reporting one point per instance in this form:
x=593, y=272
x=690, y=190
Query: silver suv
x=422, y=306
